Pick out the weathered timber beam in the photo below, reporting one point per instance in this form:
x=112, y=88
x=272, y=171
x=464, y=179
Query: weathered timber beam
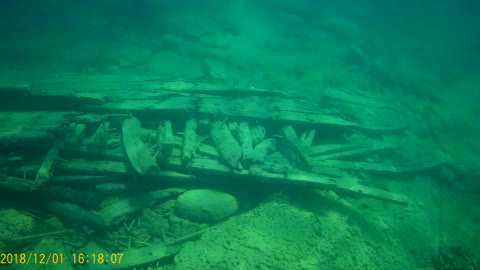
x=94, y=167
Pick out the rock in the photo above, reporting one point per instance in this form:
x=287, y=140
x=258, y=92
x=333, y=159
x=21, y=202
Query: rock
x=206, y=206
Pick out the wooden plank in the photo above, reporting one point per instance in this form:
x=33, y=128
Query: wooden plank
x=358, y=152
x=30, y=138
x=17, y=88
x=328, y=183
x=262, y=113
x=325, y=149
x=355, y=97
x=99, y=83
x=178, y=106
x=102, y=167
x=386, y=169
x=94, y=167
x=206, y=166
x=159, y=96
x=27, y=120
x=296, y=177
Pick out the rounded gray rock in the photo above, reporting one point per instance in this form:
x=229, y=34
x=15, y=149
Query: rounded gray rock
x=206, y=205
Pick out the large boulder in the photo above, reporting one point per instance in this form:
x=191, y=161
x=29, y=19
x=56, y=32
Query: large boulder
x=206, y=205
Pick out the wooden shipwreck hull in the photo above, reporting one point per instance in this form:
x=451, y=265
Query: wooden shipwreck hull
x=59, y=131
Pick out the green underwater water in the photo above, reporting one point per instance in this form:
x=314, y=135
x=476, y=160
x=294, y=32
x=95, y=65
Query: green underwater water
x=373, y=64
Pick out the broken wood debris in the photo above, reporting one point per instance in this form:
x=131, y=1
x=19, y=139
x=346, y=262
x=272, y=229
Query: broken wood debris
x=262, y=150
x=165, y=140
x=226, y=144
x=74, y=137
x=245, y=139
x=297, y=146
x=137, y=151
x=96, y=143
x=45, y=173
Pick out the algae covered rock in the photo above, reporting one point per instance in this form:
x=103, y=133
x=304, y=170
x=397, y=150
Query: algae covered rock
x=206, y=205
